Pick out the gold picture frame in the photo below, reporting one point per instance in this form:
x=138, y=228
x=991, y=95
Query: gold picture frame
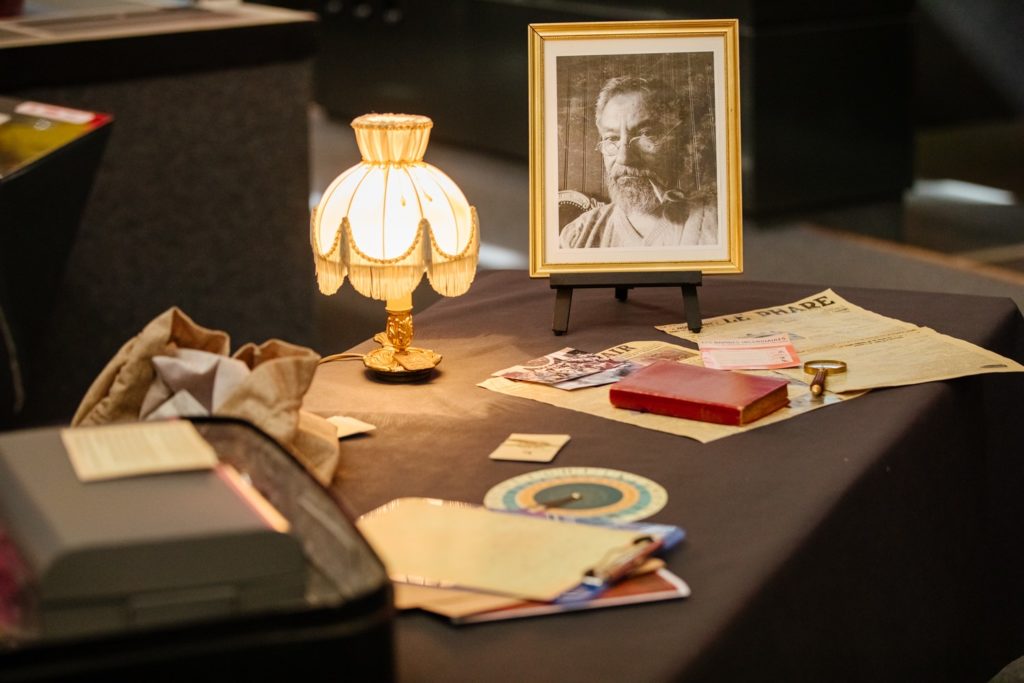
x=670, y=199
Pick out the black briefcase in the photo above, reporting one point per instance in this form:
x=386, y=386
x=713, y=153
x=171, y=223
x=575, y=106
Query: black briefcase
x=336, y=625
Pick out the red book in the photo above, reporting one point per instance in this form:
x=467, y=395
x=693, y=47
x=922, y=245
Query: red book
x=696, y=393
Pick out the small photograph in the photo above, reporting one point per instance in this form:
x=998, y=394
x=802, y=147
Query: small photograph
x=560, y=366
x=598, y=379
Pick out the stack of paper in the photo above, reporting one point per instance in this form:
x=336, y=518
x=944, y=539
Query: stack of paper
x=466, y=561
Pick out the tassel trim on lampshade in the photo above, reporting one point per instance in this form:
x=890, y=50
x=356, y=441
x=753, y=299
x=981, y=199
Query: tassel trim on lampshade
x=330, y=269
x=452, y=274
x=383, y=279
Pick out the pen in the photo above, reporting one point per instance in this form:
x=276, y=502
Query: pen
x=621, y=563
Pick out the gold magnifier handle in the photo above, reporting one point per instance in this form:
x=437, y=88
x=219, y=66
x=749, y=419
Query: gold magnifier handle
x=822, y=369
x=818, y=383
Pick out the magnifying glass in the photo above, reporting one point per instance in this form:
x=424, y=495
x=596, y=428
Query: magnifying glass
x=821, y=369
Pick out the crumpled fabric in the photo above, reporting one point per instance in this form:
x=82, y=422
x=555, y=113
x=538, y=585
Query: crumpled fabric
x=269, y=396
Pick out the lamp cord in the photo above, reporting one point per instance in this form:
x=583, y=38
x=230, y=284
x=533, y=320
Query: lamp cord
x=340, y=356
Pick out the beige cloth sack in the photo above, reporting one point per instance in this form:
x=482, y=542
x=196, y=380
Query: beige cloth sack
x=269, y=397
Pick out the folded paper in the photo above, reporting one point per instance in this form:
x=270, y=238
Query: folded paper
x=448, y=544
x=205, y=378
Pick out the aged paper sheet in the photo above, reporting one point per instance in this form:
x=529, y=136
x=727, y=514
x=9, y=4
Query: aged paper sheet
x=449, y=544
x=594, y=400
x=128, y=450
x=878, y=351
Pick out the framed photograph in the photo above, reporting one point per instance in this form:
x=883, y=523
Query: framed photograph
x=635, y=147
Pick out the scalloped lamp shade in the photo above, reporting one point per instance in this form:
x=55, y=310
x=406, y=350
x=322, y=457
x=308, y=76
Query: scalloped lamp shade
x=386, y=221
x=393, y=216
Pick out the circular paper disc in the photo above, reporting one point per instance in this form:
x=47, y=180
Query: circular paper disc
x=580, y=492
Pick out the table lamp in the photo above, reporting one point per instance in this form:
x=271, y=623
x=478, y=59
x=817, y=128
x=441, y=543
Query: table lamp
x=384, y=222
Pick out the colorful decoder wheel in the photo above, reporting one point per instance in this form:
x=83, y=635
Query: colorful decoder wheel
x=593, y=492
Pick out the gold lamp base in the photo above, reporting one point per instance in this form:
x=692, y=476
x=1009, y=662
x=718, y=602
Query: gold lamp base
x=391, y=365
x=396, y=361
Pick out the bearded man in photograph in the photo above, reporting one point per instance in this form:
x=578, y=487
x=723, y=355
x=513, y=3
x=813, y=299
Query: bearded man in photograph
x=639, y=122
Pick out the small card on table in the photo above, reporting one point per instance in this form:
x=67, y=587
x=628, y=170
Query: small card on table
x=530, y=447
x=349, y=426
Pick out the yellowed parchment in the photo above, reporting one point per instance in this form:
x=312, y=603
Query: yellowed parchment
x=878, y=351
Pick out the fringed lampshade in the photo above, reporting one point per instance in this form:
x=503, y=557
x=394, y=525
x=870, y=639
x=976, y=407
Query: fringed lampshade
x=388, y=219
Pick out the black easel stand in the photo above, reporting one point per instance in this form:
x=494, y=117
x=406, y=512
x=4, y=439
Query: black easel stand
x=564, y=283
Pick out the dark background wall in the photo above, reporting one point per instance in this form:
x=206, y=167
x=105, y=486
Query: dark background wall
x=965, y=55
x=200, y=200
x=831, y=92
x=967, y=64
x=200, y=203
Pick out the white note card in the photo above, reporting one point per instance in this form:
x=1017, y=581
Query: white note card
x=530, y=447
x=129, y=450
x=349, y=426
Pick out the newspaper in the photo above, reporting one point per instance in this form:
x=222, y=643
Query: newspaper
x=594, y=400
x=878, y=351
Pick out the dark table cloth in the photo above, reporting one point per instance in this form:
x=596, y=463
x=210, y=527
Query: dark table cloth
x=874, y=540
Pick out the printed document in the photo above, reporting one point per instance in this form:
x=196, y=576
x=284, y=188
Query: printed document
x=878, y=351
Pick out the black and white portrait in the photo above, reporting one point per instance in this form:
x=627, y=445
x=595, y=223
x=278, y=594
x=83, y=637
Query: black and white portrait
x=635, y=147
x=637, y=150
